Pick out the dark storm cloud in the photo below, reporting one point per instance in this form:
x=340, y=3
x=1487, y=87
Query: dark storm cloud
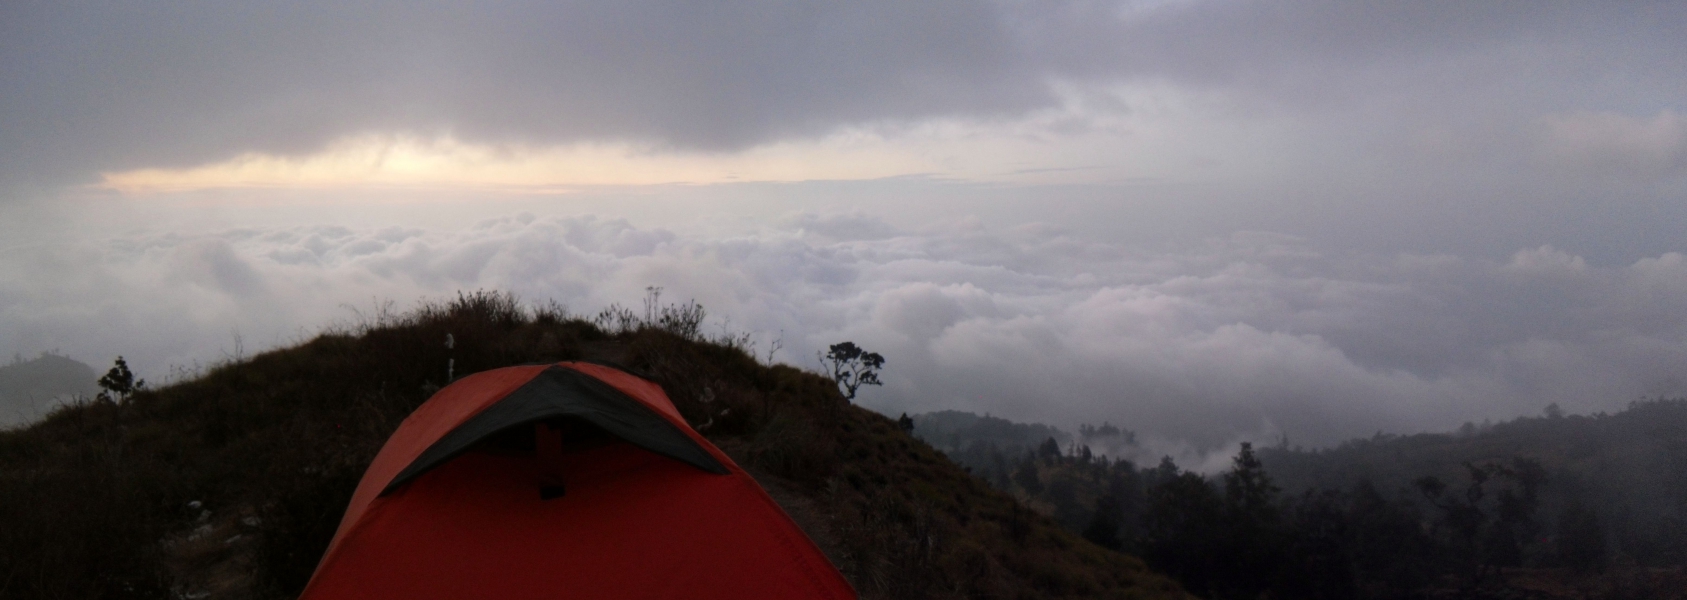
x=92, y=86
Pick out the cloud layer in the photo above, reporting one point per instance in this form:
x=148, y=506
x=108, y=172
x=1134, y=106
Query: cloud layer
x=187, y=83
x=92, y=87
x=1247, y=335
x=1477, y=206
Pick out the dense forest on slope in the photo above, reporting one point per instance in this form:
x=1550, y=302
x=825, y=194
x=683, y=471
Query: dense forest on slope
x=1544, y=507
x=229, y=485
x=1629, y=468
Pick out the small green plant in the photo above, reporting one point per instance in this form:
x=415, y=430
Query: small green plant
x=119, y=383
x=852, y=366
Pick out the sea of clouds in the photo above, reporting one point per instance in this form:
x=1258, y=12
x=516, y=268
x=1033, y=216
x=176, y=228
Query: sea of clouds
x=1246, y=336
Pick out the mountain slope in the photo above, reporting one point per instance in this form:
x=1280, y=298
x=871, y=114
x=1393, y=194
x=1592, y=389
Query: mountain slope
x=1631, y=467
x=1554, y=506
x=187, y=489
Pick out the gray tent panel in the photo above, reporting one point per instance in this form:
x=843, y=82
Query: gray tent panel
x=559, y=392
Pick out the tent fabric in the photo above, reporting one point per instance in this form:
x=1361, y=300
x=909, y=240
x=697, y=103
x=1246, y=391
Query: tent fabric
x=651, y=508
x=560, y=392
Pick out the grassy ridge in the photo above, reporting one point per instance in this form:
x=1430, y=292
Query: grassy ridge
x=95, y=500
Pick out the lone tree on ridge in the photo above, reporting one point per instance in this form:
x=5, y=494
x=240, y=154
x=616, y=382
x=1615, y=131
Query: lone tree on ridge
x=119, y=383
x=852, y=367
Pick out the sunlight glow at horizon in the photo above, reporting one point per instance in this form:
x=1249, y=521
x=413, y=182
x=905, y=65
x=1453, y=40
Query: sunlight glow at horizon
x=393, y=161
x=1071, y=144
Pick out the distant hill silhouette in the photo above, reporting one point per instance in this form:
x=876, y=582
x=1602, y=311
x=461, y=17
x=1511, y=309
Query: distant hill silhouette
x=29, y=389
x=954, y=430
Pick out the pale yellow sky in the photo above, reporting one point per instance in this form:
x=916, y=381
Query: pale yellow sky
x=1074, y=143
x=376, y=160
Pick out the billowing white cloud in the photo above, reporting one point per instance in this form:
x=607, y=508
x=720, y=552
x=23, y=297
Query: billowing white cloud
x=1245, y=335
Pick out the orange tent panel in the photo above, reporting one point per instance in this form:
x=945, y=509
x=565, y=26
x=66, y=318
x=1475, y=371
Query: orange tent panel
x=654, y=511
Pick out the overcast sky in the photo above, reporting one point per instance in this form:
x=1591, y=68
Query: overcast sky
x=1202, y=220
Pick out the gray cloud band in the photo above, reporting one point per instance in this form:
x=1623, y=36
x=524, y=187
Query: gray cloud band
x=1250, y=335
x=89, y=86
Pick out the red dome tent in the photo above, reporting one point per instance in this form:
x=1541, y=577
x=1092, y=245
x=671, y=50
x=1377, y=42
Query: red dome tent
x=570, y=480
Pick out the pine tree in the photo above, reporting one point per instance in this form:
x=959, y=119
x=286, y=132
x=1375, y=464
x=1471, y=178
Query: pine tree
x=119, y=383
x=1254, y=522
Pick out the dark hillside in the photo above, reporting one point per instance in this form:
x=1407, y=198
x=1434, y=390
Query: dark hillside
x=1629, y=467
x=230, y=485
x=1543, y=507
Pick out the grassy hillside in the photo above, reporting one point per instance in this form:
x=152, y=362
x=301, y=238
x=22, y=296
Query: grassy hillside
x=230, y=485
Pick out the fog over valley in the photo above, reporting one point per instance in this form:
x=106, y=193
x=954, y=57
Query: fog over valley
x=1247, y=336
